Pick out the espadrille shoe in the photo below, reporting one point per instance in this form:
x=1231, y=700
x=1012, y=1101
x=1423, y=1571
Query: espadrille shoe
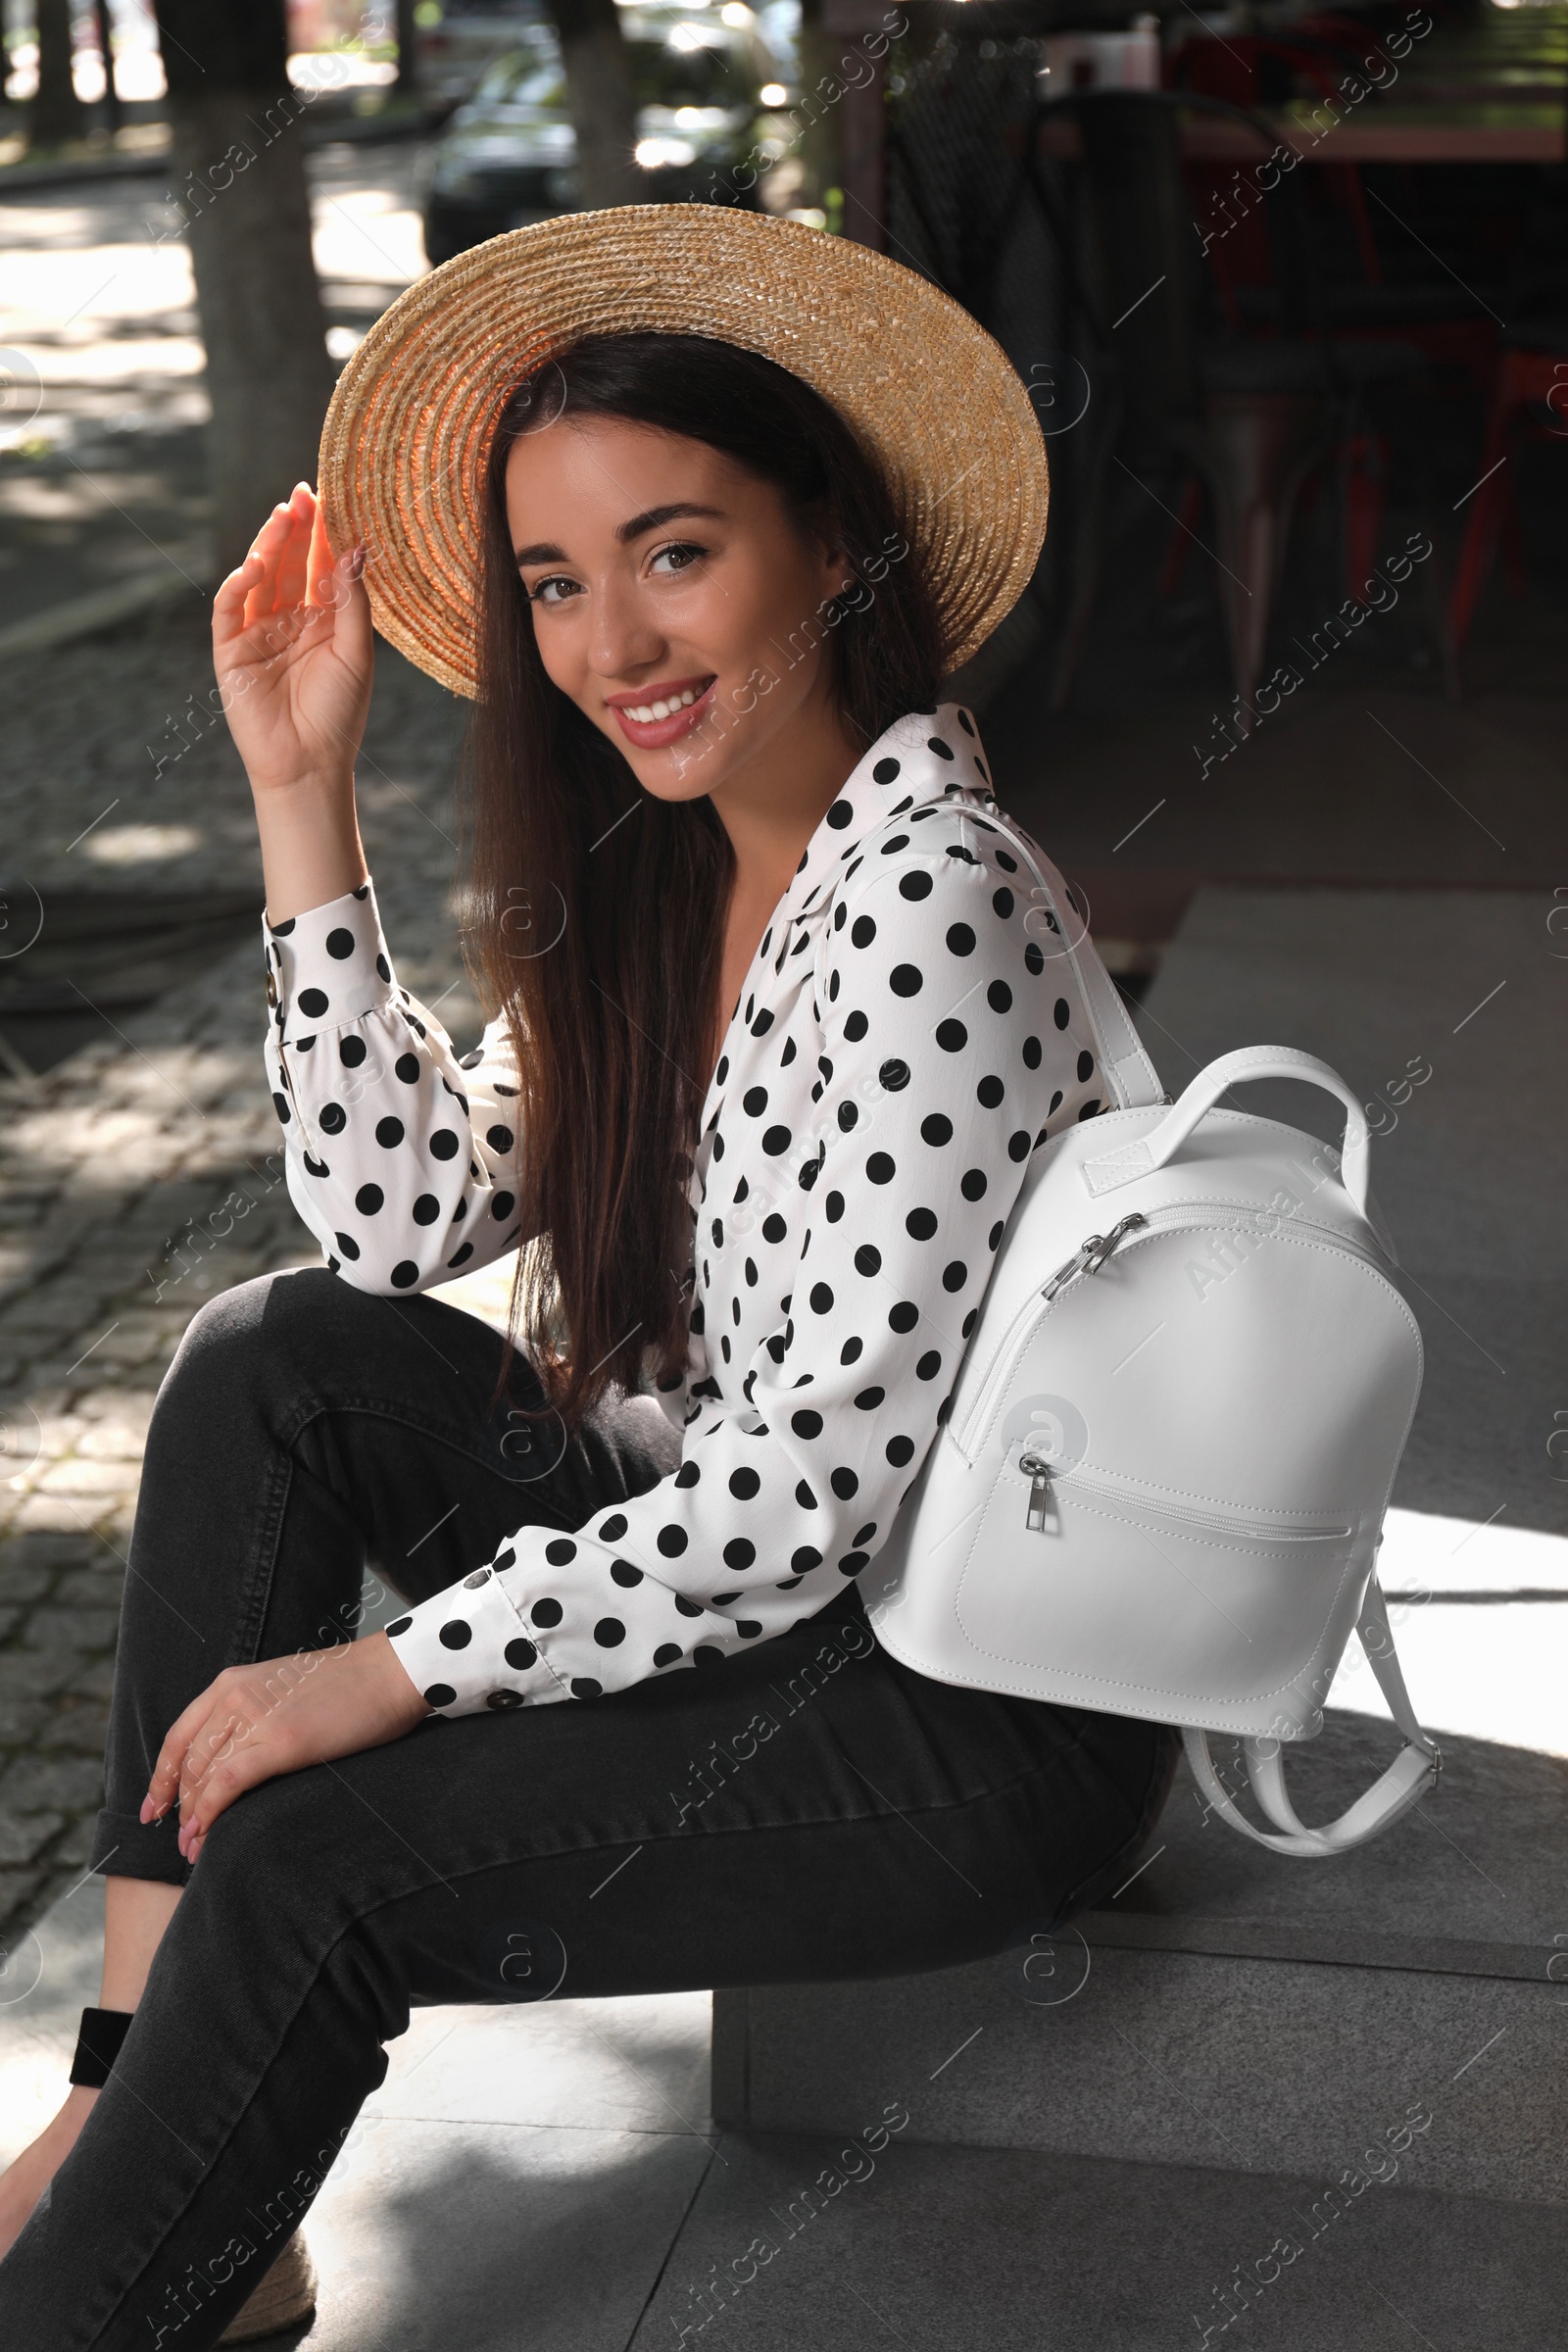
x=284, y=2299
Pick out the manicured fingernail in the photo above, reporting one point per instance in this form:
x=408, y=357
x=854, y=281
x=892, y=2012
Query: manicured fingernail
x=146, y=1809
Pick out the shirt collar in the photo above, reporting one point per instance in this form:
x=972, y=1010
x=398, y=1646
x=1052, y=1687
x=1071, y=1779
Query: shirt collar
x=924, y=756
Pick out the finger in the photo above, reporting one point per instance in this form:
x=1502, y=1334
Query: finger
x=223, y=1786
x=294, y=558
x=268, y=543
x=228, y=604
x=163, y=1785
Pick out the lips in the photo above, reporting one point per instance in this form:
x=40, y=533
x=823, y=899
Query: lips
x=680, y=713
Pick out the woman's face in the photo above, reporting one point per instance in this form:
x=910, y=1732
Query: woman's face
x=674, y=599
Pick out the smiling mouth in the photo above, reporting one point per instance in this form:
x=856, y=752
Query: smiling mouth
x=663, y=714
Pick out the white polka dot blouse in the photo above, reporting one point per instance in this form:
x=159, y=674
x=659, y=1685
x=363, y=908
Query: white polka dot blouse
x=902, y=1042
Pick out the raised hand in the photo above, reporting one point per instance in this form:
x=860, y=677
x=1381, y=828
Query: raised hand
x=293, y=650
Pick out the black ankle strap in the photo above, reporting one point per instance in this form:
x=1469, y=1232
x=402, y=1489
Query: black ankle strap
x=98, y=2040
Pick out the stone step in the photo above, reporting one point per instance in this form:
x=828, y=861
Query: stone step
x=857, y=2241
x=1234, y=2008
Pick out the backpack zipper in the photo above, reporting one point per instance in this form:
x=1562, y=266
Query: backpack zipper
x=1088, y=1259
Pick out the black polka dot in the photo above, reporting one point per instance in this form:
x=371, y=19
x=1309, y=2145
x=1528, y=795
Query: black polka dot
x=671, y=1541
x=334, y=1119
x=881, y=1168
x=870, y=1399
x=611, y=1530
x=368, y=1198
x=916, y=885
x=989, y=1093
x=1034, y=956
x=1032, y=1051
x=739, y=1552
x=340, y=943
x=407, y=1066
x=559, y=1550
x=425, y=1210
x=1089, y=1109
x=545, y=1613
x=462, y=1255
x=389, y=1133
x=312, y=1000
x=583, y=1686
x=1003, y=900
x=1086, y=1067
x=998, y=996
x=920, y=1224
x=951, y=1036
x=961, y=939
x=973, y=1184
x=894, y=1074
x=936, y=1128
x=316, y=1167
x=502, y=1205
x=899, y=1451
x=383, y=967
x=776, y=1140
x=520, y=1654
x=1019, y=1143
x=954, y=1275
x=1061, y=1012
x=348, y=1244
x=841, y=814
x=668, y=1653
x=499, y=1139
x=443, y=1144
x=744, y=1484
x=609, y=1633
x=943, y=751
x=862, y=931
x=805, y=1496
x=280, y=1105
x=806, y=1424
x=886, y=772
x=867, y=1258
x=904, y=1315
x=844, y=1482
x=822, y=1299
x=906, y=980
x=440, y=1694
x=399, y=1625
x=351, y=1051
x=404, y=1274
x=456, y=1633
x=282, y=930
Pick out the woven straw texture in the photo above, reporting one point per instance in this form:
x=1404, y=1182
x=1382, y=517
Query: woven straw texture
x=923, y=386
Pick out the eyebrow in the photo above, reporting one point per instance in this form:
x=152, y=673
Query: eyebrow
x=545, y=551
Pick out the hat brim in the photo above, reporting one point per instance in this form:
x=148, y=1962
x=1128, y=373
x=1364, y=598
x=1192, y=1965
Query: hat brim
x=917, y=380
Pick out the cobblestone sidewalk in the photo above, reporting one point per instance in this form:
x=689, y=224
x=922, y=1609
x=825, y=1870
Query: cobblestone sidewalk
x=144, y=1174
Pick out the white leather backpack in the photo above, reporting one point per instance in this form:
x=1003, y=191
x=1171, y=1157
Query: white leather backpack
x=1161, y=1485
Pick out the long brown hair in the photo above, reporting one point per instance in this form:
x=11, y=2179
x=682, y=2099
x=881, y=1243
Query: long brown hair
x=595, y=913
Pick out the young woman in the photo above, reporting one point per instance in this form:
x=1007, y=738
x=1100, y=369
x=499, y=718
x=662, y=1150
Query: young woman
x=773, y=1038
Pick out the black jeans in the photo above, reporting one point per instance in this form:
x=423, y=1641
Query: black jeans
x=809, y=1810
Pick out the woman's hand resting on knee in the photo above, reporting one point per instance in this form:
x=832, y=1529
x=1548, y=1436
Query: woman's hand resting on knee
x=277, y=1716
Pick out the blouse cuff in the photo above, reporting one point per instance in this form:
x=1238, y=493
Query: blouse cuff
x=327, y=966
x=485, y=1658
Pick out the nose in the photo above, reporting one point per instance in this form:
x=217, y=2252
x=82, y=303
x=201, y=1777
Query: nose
x=624, y=635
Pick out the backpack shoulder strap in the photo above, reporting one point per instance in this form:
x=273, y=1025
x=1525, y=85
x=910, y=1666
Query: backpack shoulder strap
x=1133, y=1077
x=1394, y=1792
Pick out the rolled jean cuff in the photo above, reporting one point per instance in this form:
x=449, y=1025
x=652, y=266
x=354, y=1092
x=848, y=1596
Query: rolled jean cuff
x=123, y=1847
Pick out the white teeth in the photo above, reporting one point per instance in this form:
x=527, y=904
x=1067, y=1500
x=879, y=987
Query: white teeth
x=647, y=714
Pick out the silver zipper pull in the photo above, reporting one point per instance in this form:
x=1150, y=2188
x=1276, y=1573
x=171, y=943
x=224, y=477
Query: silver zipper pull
x=1038, y=1473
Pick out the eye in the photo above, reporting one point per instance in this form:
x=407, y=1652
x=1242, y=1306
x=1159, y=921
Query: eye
x=543, y=591
x=681, y=555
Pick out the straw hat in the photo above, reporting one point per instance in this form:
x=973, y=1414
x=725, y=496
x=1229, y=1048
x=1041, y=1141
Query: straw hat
x=919, y=382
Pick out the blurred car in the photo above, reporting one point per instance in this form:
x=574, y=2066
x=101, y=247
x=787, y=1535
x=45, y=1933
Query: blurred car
x=705, y=82
x=459, y=40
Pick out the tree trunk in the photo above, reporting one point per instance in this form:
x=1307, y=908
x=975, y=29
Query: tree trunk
x=57, y=113
x=599, y=95
x=240, y=173
x=113, y=114
x=407, y=84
